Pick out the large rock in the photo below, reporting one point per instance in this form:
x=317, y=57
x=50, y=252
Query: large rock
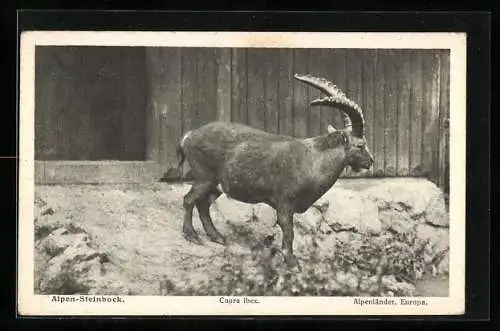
x=60, y=239
x=436, y=253
x=416, y=199
x=71, y=265
x=46, y=224
x=348, y=210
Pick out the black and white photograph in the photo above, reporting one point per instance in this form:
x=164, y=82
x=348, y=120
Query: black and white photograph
x=199, y=173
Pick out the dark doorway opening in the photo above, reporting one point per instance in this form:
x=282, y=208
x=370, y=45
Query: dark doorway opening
x=90, y=103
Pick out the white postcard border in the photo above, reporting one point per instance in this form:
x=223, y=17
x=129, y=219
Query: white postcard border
x=31, y=304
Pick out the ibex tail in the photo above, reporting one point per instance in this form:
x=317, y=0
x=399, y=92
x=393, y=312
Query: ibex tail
x=175, y=174
x=181, y=157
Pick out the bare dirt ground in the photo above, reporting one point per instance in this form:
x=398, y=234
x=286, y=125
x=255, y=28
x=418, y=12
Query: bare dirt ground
x=126, y=239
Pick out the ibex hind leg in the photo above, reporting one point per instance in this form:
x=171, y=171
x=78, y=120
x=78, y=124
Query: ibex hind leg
x=203, y=207
x=199, y=191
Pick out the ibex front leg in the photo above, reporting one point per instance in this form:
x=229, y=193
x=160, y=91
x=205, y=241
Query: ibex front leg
x=285, y=221
x=203, y=207
x=199, y=191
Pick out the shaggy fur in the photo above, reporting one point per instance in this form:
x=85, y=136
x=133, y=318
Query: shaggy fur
x=254, y=166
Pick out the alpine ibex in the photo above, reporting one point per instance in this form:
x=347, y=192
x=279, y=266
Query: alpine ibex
x=286, y=173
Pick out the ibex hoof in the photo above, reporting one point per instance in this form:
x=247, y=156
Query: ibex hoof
x=193, y=237
x=218, y=239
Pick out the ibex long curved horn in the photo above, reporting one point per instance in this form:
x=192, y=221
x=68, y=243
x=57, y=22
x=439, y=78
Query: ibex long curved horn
x=327, y=102
x=336, y=98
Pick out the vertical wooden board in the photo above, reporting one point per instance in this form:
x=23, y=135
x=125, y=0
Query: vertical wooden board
x=102, y=70
x=47, y=126
x=131, y=71
x=82, y=94
x=168, y=100
x=404, y=87
x=88, y=86
x=256, y=105
x=67, y=100
x=285, y=91
x=122, y=112
x=155, y=70
x=206, y=85
x=164, y=99
x=223, y=58
x=44, y=92
x=368, y=98
x=92, y=106
x=354, y=89
x=354, y=76
x=67, y=61
x=416, y=105
x=239, y=85
x=391, y=111
x=40, y=72
x=60, y=79
x=444, y=114
x=335, y=70
x=133, y=140
x=87, y=95
x=189, y=86
x=314, y=113
x=300, y=94
x=431, y=79
x=271, y=79
x=379, y=116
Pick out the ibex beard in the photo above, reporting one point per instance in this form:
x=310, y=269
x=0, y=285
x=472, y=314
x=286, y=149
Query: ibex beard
x=254, y=166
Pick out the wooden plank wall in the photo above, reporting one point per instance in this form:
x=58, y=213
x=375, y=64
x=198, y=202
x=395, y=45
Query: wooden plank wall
x=149, y=97
x=404, y=95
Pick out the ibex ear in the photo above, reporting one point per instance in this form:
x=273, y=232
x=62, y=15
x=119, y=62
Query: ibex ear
x=331, y=129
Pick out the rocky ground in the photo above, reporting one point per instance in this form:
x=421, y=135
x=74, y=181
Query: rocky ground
x=363, y=237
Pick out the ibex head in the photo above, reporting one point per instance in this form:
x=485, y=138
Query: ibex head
x=358, y=154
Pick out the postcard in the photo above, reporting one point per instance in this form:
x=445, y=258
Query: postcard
x=241, y=173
